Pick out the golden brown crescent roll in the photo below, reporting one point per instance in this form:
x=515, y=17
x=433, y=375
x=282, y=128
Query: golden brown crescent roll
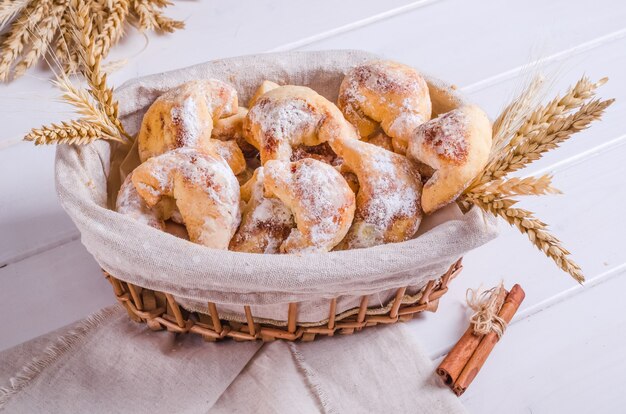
x=289, y=116
x=386, y=94
x=456, y=145
x=266, y=221
x=204, y=187
x=130, y=203
x=380, y=139
x=388, y=200
x=265, y=86
x=319, y=198
x=230, y=151
x=229, y=128
x=184, y=116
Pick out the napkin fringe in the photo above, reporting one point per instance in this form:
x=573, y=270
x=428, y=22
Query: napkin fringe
x=53, y=353
x=314, y=384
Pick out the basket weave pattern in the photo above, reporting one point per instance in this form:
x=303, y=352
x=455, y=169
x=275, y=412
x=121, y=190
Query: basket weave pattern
x=161, y=311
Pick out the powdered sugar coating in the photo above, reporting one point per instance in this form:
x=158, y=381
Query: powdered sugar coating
x=385, y=93
x=266, y=222
x=130, y=203
x=184, y=116
x=446, y=136
x=319, y=198
x=281, y=124
x=388, y=200
x=204, y=187
x=290, y=116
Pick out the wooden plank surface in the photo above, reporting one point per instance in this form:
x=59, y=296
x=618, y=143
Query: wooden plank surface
x=562, y=353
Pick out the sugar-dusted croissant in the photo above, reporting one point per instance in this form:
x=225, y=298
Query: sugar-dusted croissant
x=230, y=151
x=265, y=86
x=385, y=94
x=184, y=116
x=456, y=145
x=388, y=200
x=266, y=221
x=321, y=201
x=204, y=187
x=130, y=203
x=289, y=116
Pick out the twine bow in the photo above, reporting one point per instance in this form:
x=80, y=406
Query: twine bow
x=486, y=305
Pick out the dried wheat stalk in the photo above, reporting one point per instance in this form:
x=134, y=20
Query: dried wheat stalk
x=96, y=104
x=514, y=114
x=112, y=26
x=513, y=187
x=45, y=32
x=76, y=132
x=39, y=26
x=19, y=35
x=536, y=231
x=90, y=65
x=149, y=17
x=9, y=9
x=538, y=130
x=537, y=137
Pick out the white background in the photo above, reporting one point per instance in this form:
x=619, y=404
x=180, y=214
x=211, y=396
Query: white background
x=565, y=350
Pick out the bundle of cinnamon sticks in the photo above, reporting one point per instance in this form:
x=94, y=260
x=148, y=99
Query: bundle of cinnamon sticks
x=459, y=368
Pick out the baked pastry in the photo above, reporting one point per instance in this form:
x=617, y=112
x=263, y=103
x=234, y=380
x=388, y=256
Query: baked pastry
x=319, y=198
x=204, y=187
x=184, y=117
x=266, y=221
x=229, y=128
x=130, y=203
x=322, y=152
x=456, y=146
x=388, y=200
x=380, y=139
x=385, y=94
x=230, y=151
x=291, y=116
x=265, y=86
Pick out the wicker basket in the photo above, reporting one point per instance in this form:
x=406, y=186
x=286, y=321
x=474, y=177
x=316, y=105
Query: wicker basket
x=161, y=311
x=172, y=284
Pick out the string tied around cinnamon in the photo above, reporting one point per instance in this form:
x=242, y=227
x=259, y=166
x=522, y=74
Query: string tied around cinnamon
x=486, y=304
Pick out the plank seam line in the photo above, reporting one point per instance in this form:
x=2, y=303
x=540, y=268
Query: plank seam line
x=580, y=157
x=353, y=25
x=561, y=55
x=73, y=236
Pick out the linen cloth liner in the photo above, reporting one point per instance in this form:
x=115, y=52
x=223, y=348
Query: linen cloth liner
x=88, y=177
x=109, y=364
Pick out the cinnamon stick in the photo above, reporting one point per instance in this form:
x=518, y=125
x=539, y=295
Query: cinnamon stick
x=478, y=358
x=452, y=365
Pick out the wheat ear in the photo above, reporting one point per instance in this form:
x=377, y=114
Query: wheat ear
x=19, y=35
x=47, y=28
x=515, y=186
x=511, y=118
x=531, y=147
x=73, y=132
x=537, y=233
x=90, y=65
x=10, y=9
x=149, y=17
x=112, y=27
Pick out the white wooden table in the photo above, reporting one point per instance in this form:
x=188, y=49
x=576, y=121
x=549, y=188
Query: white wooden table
x=564, y=352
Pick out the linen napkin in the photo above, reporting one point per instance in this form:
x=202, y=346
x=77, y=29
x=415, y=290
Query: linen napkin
x=107, y=363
